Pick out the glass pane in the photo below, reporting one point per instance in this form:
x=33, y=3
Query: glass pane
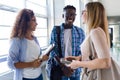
x=41, y=32
x=36, y=8
x=40, y=2
x=4, y=47
x=7, y=18
x=42, y=41
x=13, y=3
x=4, y=67
x=42, y=22
x=5, y=32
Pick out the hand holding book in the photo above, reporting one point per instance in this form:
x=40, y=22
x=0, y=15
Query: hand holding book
x=47, y=52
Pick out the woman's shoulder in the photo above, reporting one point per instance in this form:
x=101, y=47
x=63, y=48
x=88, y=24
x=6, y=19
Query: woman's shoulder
x=16, y=39
x=97, y=31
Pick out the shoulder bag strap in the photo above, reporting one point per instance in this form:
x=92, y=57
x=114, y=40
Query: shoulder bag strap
x=59, y=40
x=92, y=51
x=91, y=56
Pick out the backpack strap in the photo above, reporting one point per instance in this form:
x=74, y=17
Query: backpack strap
x=59, y=40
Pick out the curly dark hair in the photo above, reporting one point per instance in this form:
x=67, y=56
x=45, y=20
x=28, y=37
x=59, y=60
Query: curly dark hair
x=21, y=24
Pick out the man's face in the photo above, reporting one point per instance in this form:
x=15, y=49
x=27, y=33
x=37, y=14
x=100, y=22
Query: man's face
x=69, y=16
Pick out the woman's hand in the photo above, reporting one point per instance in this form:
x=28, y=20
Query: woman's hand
x=45, y=57
x=36, y=63
x=74, y=64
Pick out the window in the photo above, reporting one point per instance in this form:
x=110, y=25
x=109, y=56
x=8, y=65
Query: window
x=39, y=6
x=5, y=29
x=4, y=15
x=12, y=3
x=6, y=21
x=39, y=2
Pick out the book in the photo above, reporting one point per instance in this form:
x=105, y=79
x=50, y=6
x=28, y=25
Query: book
x=49, y=49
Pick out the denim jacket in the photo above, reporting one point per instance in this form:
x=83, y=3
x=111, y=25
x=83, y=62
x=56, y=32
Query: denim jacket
x=17, y=52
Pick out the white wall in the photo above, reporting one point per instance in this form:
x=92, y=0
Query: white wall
x=112, y=7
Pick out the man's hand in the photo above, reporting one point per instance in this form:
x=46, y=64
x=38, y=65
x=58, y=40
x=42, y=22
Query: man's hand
x=70, y=58
x=67, y=70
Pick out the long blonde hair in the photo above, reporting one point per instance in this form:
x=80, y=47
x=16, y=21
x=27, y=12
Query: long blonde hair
x=96, y=17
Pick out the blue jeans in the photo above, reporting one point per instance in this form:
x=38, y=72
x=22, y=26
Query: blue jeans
x=71, y=78
x=39, y=78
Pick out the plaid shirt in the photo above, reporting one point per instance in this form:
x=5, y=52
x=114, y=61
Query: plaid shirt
x=77, y=38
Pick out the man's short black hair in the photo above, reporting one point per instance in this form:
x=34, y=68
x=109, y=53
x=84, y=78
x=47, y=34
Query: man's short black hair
x=69, y=7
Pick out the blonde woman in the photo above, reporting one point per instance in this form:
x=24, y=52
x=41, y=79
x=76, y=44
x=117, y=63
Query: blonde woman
x=95, y=18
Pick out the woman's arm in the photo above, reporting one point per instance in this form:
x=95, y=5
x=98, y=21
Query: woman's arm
x=36, y=63
x=103, y=59
x=14, y=56
x=92, y=64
